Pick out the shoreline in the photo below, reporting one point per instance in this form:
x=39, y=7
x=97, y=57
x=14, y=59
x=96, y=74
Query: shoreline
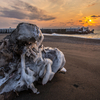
x=67, y=39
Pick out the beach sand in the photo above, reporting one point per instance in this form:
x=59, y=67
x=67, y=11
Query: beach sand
x=82, y=79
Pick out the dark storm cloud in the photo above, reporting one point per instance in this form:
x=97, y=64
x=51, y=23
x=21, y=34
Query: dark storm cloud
x=23, y=10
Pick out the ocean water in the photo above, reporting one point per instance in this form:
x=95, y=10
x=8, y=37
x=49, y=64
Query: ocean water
x=95, y=35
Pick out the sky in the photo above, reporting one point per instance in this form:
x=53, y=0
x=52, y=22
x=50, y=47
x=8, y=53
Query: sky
x=50, y=13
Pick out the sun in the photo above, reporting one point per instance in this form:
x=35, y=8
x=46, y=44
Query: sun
x=90, y=20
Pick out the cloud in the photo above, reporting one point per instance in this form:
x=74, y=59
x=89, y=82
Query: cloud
x=80, y=20
x=95, y=16
x=41, y=17
x=36, y=13
x=23, y=10
x=70, y=22
x=92, y=2
x=12, y=13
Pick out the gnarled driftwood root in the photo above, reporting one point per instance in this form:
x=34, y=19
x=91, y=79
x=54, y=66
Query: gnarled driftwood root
x=23, y=60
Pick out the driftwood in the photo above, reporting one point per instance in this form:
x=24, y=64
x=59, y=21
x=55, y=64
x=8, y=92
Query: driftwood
x=23, y=60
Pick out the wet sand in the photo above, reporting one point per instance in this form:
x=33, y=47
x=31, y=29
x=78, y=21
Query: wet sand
x=82, y=80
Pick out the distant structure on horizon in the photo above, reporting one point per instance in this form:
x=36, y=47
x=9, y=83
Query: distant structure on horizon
x=82, y=30
x=9, y=30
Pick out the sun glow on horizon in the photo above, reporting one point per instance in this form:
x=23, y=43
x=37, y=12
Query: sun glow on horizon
x=88, y=21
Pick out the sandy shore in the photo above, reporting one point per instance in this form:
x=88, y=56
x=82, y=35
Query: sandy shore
x=82, y=80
